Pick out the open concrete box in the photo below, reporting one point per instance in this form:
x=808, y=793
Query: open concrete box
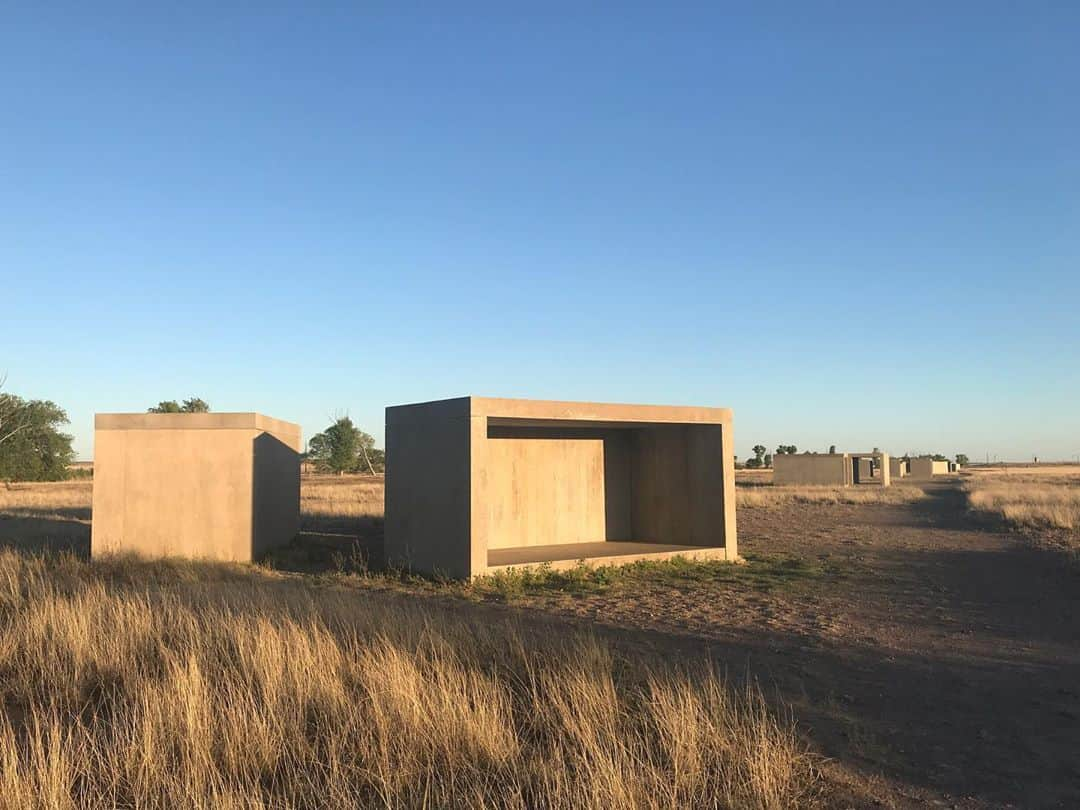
x=832, y=469
x=222, y=486
x=475, y=485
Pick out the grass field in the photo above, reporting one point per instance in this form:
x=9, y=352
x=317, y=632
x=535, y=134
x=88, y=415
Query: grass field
x=1039, y=500
x=774, y=496
x=193, y=685
x=173, y=684
x=882, y=627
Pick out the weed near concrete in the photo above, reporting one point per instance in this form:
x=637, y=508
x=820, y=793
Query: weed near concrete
x=760, y=572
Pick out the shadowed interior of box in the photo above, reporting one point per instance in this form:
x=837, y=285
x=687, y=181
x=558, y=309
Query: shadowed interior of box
x=609, y=490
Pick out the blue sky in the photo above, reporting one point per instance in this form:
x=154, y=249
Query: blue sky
x=854, y=223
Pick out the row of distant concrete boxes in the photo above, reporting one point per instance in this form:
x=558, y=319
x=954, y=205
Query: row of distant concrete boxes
x=851, y=469
x=473, y=485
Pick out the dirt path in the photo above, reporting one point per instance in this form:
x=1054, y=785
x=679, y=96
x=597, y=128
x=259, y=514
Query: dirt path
x=914, y=643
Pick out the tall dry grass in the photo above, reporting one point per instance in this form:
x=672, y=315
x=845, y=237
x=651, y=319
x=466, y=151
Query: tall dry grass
x=183, y=685
x=1035, y=501
x=753, y=497
x=47, y=499
x=329, y=502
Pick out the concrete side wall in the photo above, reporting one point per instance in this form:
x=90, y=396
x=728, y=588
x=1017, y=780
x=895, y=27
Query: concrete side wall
x=897, y=468
x=428, y=488
x=811, y=470
x=174, y=493
x=940, y=468
x=276, y=493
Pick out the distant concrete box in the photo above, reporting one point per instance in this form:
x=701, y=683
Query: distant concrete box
x=926, y=467
x=223, y=486
x=831, y=469
x=475, y=485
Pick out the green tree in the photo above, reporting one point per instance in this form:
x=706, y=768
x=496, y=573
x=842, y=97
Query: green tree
x=192, y=405
x=32, y=448
x=759, y=457
x=961, y=460
x=787, y=450
x=832, y=449
x=343, y=448
x=767, y=461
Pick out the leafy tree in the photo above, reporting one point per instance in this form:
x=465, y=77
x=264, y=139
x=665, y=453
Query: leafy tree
x=767, y=461
x=759, y=451
x=939, y=457
x=787, y=450
x=13, y=417
x=32, y=448
x=193, y=405
x=961, y=460
x=343, y=448
x=832, y=449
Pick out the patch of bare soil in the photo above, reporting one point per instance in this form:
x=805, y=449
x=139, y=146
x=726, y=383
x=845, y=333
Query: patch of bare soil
x=933, y=656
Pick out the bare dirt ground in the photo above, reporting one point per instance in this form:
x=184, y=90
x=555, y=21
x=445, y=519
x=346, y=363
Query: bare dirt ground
x=936, y=657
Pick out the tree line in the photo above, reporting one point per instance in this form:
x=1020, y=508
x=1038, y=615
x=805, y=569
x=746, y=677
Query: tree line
x=34, y=446
x=762, y=458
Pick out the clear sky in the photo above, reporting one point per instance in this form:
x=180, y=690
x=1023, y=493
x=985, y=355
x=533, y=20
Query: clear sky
x=854, y=223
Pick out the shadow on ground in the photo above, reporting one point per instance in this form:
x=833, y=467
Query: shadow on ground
x=37, y=535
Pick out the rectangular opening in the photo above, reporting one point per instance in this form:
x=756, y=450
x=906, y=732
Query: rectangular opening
x=867, y=469
x=621, y=491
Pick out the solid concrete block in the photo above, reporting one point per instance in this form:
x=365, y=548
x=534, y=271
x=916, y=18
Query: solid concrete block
x=477, y=484
x=223, y=486
x=926, y=467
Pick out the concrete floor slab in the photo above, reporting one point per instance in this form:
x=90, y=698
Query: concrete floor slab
x=611, y=552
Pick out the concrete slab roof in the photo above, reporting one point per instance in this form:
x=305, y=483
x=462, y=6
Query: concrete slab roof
x=538, y=411
x=194, y=421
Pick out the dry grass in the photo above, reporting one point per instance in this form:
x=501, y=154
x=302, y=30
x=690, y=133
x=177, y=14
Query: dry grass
x=328, y=502
x=773, y=496
x=183, y=685
x=1026, y=470
x=1037, y=501
x=51, y=500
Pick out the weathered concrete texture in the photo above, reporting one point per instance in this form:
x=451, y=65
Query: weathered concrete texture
x=831, y=469
x=477, y=484
x=223, y=486
x=928, y=468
